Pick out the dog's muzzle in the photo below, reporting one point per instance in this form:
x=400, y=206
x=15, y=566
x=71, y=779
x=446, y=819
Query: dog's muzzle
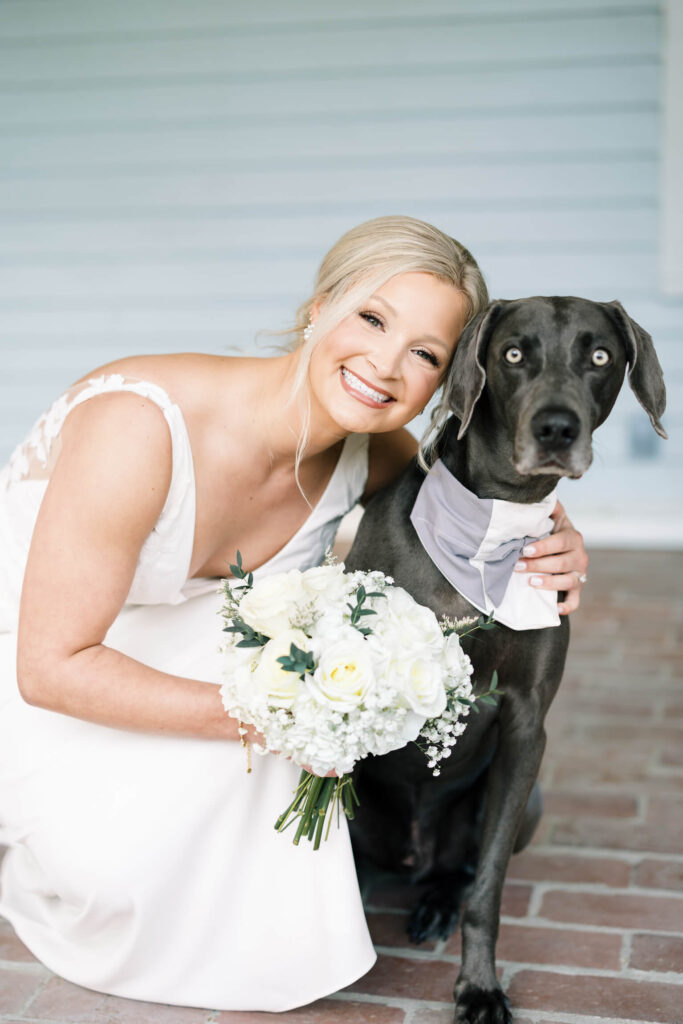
x=553, y=440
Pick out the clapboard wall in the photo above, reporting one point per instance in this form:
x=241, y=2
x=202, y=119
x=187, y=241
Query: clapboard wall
x=173, y=170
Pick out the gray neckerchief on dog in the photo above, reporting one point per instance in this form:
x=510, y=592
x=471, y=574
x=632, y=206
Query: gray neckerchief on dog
x=475, y=543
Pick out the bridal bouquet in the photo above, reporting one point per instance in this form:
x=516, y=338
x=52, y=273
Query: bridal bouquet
x=332, y=666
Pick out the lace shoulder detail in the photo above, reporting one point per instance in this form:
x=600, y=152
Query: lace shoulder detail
x=35, y=456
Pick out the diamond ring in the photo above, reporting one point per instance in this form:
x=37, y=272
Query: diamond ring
x=581, y=576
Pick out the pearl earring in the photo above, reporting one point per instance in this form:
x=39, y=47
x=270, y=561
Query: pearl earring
x=308, y=331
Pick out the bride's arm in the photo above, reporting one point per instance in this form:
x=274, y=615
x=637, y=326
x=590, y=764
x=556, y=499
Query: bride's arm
x=104, y=497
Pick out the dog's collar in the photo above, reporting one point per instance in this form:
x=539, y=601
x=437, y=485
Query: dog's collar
x=475, y=543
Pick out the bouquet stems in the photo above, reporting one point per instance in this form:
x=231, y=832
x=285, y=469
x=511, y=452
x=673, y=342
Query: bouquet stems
x=314, y=803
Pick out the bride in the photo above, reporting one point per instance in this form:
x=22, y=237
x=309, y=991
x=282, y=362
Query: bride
x=142, y=859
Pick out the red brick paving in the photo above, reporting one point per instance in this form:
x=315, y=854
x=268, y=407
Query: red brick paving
x=592, y=926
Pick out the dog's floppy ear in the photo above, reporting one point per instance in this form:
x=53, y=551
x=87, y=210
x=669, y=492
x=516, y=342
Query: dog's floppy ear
x=645, y=373
x=467, y=375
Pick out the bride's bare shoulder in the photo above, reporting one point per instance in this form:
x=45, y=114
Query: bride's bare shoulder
x=191, y=379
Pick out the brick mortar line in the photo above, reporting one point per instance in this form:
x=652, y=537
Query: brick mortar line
x=395, y=1002
x=602, y=853
x=600, y=929
x=598, y=889
x=512, y=967
x=572, y=926
x=38, y=991
x=598, y=716
x=27, y=967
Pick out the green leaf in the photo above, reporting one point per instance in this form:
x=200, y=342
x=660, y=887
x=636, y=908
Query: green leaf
x=250, y=642
x=494, y=680
x=489, y=701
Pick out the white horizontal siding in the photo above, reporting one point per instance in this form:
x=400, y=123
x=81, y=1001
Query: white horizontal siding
x=35, y=19
x=171, y=173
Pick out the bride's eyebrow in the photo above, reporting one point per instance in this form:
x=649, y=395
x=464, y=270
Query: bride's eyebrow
x=425, y=337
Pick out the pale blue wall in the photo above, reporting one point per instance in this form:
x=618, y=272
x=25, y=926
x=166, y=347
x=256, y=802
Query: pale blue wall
x=171, y=172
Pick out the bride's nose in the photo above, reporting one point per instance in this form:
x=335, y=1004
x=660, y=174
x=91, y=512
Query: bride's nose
x=385, y=361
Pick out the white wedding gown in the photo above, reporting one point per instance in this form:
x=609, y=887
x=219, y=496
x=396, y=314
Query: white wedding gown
x=147, y=866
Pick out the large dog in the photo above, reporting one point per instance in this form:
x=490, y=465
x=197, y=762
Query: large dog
x=531, y=379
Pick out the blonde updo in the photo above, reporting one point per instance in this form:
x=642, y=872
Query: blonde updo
x=363, y=260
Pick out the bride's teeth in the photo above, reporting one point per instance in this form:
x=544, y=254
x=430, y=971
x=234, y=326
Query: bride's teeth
x=358, y=385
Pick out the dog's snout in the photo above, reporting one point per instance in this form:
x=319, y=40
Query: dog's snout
x=555, y=428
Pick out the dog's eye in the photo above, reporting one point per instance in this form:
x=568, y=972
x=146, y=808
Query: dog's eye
x=513, y=355
x=600, y=357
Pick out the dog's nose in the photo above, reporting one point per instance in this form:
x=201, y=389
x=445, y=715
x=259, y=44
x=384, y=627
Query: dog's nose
x=555, y=427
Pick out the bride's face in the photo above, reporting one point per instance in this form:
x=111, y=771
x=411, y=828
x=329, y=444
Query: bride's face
x=381, y=365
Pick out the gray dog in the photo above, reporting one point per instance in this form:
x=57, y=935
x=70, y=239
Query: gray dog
x=531, y=379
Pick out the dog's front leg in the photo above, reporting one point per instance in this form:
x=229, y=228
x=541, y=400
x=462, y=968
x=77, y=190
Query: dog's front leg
x=512, y=773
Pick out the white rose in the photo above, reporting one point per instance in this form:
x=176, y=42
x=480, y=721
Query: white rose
x=420, y=681
x=344, y=675
x=238, y=667
x=269, y=606
x=279, y=686
x=407, y=624
x=325, y=581
x=455, y=662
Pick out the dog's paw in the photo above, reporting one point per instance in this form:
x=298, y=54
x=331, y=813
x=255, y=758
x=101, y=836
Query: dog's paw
x=435, y=915
x=474, y=1005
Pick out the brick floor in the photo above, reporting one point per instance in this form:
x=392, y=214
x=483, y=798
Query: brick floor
x=592, y=924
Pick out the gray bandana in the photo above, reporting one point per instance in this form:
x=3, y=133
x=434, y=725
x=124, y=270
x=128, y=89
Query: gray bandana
x=475, y=543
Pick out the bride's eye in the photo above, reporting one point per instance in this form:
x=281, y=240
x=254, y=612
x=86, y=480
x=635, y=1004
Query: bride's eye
x=428, y=356
x=372, y=318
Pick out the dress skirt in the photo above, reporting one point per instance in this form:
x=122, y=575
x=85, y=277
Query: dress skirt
x=148, y=867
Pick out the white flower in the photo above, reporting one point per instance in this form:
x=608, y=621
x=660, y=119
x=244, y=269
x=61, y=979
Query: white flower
x=325, y=582
x=455, y=662
x=420, y=681
x=406, y=625
x=269, y=606
x=279, y=686
x=238, y=668
x=344, y=675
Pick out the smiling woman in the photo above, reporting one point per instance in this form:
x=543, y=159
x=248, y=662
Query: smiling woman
x=142, y=860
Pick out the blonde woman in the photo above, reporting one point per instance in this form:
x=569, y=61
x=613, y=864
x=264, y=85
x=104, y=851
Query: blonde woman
x=142, y=860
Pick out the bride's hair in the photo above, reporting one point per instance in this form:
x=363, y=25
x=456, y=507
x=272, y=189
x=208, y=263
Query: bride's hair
x=363, y=260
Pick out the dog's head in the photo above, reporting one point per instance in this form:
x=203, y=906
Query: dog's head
x=549, y=371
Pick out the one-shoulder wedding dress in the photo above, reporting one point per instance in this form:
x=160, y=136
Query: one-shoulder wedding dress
x=147, y=866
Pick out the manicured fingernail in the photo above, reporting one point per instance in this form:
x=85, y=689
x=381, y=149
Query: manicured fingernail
x=529, y=550
x=535, y=581
x=520, y=566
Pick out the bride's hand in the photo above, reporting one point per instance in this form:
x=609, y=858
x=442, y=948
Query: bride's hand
x=558, y=561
